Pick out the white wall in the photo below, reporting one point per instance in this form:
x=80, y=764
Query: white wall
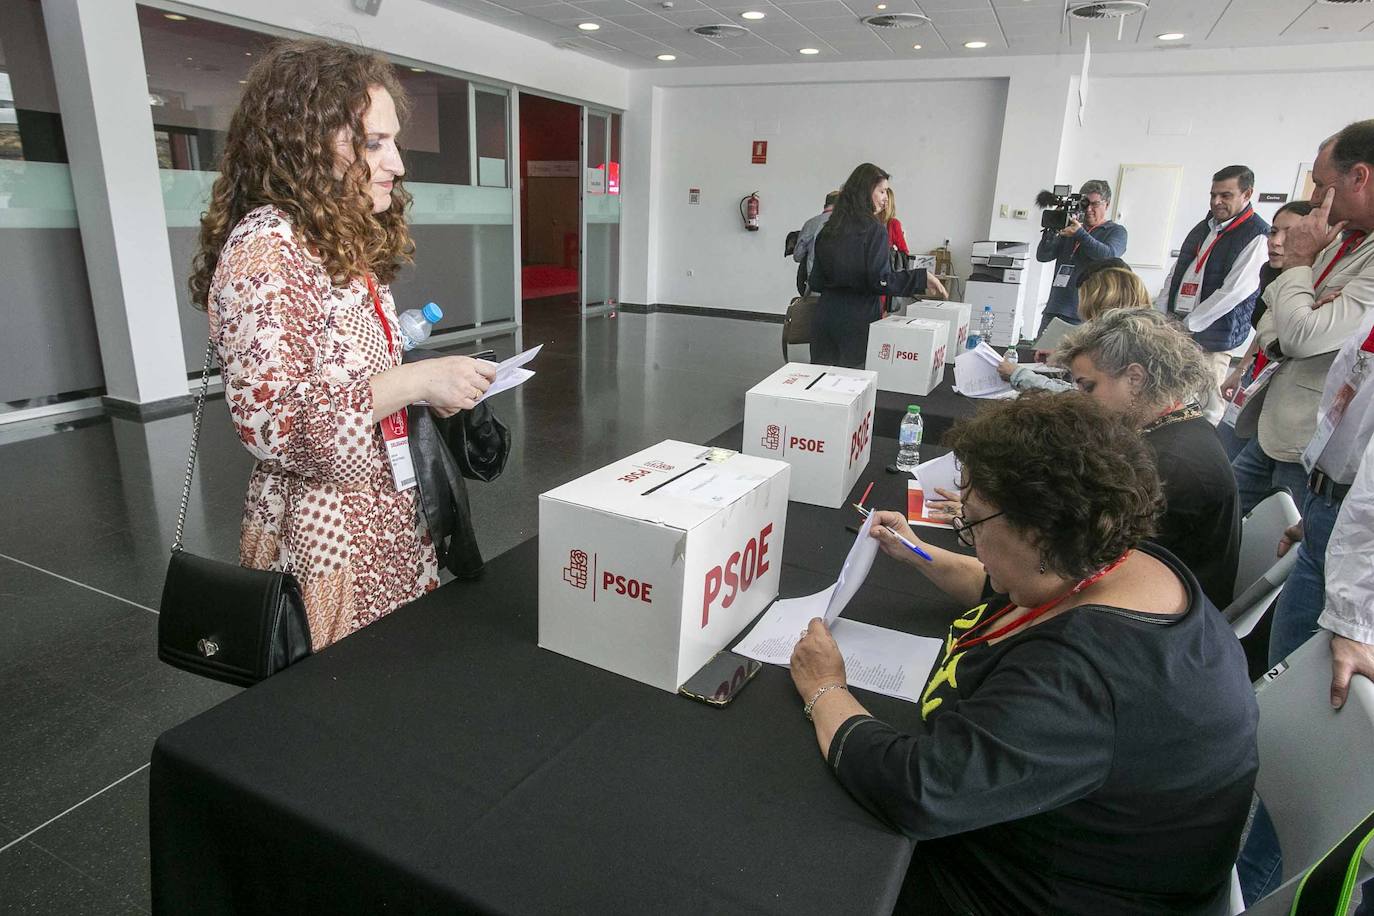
x=1268, y=121
x=429, y=33
x=941, y=161
x=1256, y=98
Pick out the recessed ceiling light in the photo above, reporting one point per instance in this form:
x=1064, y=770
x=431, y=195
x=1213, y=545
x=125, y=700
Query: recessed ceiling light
x=175, y=17
x=588, y=26
x=241, y=82
x=1170, y=36
x=667, y=57
x=809, y=51
x=752, y=14
x=882, y=6
x=975, y=45
x=190, y=58
x=247, y=53
x=417, y=69
x=915, y=47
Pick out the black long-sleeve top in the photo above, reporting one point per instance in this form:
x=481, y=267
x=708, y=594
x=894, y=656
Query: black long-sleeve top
x=1099, y=762
x=854, y=269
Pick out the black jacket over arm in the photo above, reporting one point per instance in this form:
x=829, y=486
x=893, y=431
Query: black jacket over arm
x=472, y=444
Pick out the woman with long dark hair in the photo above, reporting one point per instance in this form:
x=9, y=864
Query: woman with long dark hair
x=305, y=230
x=854, y=271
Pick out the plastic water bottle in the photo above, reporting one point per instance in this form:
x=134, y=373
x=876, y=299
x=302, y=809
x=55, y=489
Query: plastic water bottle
x=416, y=325
x=909, y=440
x=985, y=325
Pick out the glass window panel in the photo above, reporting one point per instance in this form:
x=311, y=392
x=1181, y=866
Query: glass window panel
x=596, y=154
x=49, y=350
x=492, y=150
x=464, y=251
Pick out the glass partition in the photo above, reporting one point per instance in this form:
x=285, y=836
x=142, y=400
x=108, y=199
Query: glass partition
x=462, y=227
x=49, y=351
x=601, y=211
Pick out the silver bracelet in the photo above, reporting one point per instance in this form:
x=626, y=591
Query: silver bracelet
x=806, y=710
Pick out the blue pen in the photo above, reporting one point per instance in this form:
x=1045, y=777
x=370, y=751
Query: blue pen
x=905, y=543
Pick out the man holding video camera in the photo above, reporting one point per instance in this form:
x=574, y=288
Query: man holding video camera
x=1078, y=244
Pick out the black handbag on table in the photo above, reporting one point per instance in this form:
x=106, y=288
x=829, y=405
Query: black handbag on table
x=221, y=620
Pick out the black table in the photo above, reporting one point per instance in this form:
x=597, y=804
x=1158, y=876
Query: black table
x=439, y=761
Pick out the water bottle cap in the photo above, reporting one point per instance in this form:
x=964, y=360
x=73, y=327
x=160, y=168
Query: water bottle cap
x=913, y=408
x=433, y=314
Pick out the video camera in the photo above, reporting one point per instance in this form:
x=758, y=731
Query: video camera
x=1060, y=205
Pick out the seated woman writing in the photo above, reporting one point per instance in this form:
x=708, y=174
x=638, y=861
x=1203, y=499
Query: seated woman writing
x=1085, y=744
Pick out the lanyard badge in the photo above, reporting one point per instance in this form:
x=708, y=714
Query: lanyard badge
x=1326, y=427
x=396, y=427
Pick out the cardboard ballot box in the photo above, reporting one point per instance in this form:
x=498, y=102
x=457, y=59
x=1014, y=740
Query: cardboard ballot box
x=654, y=563
x=958, y=314
x=819, y=419
x=908, y=353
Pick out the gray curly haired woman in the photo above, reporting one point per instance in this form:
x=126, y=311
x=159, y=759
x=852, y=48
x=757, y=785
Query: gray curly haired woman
x=1142, y=366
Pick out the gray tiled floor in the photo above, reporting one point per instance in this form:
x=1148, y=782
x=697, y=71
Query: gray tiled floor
x=90, y=513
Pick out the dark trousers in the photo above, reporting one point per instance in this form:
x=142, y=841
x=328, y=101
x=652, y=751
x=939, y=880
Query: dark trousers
x=839, y=332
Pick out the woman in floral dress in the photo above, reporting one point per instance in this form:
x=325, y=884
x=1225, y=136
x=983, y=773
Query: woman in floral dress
x=305, y=229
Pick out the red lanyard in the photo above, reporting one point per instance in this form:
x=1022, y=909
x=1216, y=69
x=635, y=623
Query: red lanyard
x=1352, y=241
x=1074, y=254
x=381, y=316
x=1202, y=261
x=1035, y=612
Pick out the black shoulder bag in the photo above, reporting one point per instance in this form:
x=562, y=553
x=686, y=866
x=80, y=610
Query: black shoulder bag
x=221, y=620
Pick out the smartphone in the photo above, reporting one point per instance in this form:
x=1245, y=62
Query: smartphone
x=721, y=679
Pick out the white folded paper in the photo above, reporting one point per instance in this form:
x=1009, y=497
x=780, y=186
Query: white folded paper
x=975, y=374
x=875, y=658
x=509, y=374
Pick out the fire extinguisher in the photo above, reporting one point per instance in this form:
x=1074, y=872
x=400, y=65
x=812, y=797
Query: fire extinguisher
x=749, y=211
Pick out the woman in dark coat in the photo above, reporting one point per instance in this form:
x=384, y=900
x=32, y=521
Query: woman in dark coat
x=854, y=271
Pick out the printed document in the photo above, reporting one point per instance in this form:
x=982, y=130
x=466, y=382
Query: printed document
x=885, y=661
x=975, y=374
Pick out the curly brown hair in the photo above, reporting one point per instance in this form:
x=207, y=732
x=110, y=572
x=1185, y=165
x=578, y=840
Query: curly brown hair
x=1074, y=478
x=280, y=151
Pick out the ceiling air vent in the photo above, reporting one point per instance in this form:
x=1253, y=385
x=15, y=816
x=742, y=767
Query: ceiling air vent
x=896, y=20
x=1343, y=2
x=1108, y=9
x=721, y=30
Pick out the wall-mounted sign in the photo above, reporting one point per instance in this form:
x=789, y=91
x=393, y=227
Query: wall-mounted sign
x=760, y=152
x=694, y=196
x=551, y=168
x=1273, y=198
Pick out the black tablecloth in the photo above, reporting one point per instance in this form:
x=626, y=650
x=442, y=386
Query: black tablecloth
x=438, y=760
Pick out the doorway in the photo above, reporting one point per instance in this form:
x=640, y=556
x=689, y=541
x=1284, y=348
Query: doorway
x=550, y=218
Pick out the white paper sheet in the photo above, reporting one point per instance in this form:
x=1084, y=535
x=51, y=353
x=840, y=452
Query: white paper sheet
x=1054, y=333
x=975, y=374
x=842, y=384
x=885, y=661
x=942, y=473
x=854, y=571
x=711, y=486
x=509, y=374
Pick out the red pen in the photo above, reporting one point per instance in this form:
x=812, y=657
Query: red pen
x=863, y=499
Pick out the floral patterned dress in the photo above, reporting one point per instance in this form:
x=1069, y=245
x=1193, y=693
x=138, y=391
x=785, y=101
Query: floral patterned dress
x=296, y=354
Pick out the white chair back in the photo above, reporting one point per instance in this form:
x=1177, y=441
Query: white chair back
x=1261, y=572
x=1314, y=773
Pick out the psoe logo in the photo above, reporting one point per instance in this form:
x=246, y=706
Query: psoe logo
x=885, y=351
x=575, y=573
x=772, y=437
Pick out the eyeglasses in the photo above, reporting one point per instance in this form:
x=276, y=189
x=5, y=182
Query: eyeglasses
x=963, y=530
x=1094, y=204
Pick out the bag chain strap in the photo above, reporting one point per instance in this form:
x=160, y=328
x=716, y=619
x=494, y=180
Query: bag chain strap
x=195, y=445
